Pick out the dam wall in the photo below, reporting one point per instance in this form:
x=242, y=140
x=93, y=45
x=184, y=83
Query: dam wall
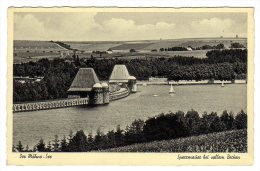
x=45, y=105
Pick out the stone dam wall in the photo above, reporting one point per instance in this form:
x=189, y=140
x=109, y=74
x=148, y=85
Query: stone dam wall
x=45, y=105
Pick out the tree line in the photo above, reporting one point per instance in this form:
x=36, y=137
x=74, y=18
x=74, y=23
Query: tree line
x=204, y=47
x=161, y=127
x=234, y=45
x=58, y=74
x=62, y=44
x=219, y=46
x=207, y=47
x=176, y=48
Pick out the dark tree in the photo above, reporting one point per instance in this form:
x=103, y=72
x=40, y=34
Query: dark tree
x=192, y=118
x=227, y=119
x=236, y=45
x=132, y=50
x=78, y=142
x=241, y=120
x=220, y=46
x=63, y=145
x=134, y=133
x=56, y=144
x=49, y=147
x=119, y=136
x=19, y=147
x=41, y=146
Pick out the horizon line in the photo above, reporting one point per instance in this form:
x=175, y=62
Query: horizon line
x=132, y=40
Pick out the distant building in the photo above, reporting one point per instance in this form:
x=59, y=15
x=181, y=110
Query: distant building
x=146, y=50
x=83, y=82
x=66, y=53
x=157, y=79
x=87, y=84
x=120, y=50
x=189, y=48
x=109, y=51
x=27, y=79
x=120, y=76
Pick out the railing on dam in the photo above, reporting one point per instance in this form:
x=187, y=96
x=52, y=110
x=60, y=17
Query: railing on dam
x=123, y=92
x=44, y=105
x=23, y=107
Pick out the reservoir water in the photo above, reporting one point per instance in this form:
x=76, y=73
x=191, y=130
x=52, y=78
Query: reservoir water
x=29, y=127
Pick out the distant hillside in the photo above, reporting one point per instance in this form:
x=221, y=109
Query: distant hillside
x=148, y=45
x=128, y=46
x=195, y=42
x=34, y=44
x=92, y=46
x=228, y=141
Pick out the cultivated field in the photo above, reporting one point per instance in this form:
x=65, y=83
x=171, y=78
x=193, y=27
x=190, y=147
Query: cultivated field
x=135, y=55
x=92, y=46
x=229, y=141
x=195, y=42
x=25, y=51
x=148, y=45
x=128, y=46
x=18, y=60
x=195, y=53
x=31, y=44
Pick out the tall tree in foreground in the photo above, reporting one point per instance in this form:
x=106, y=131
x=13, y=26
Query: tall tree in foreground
x=56, y=144
x=241, y=120
x=41, y=146
x=19, y=147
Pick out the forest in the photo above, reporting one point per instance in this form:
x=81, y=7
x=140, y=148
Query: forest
x=59, y=73
x=161, y=127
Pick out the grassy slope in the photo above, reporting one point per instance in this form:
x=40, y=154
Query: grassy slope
x=154, y=44
x=139, y=45
x=228, y=141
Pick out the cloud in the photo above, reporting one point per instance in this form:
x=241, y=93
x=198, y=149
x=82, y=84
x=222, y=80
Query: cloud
x=213, y=26
x=128, y=29
x=28, y=26
x=65, y=26
x=83, y=27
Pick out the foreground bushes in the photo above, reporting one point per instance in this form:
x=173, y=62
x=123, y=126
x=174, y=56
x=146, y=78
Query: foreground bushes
x=161, y=127
x=227, y=141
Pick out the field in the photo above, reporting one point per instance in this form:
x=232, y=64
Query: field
x=228, y=141
x=20, y=57
x=128, y=46
x=25, y=50
x=31, y=44
x=140, y=55
x=148, y=45
x=197, y=53
x=92, y=46
x=195, y=42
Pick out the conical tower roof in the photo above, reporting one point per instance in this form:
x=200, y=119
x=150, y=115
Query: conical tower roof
x=119, y=74
x=84, y=80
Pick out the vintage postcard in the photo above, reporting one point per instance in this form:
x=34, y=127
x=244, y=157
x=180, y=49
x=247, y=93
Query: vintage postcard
x=130, y=86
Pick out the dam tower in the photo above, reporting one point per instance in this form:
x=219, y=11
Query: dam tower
x=87, y=84
x=120, y=76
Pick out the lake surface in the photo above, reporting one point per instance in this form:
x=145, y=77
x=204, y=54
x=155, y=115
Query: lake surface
x=29, y=127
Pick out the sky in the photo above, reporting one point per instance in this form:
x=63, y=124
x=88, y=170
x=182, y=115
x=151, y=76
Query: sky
x=120, y=26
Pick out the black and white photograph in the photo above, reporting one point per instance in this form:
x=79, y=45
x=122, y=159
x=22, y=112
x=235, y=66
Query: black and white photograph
x=130, y=81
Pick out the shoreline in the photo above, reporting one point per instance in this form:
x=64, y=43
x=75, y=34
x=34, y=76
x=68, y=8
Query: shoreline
x=192, y=82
